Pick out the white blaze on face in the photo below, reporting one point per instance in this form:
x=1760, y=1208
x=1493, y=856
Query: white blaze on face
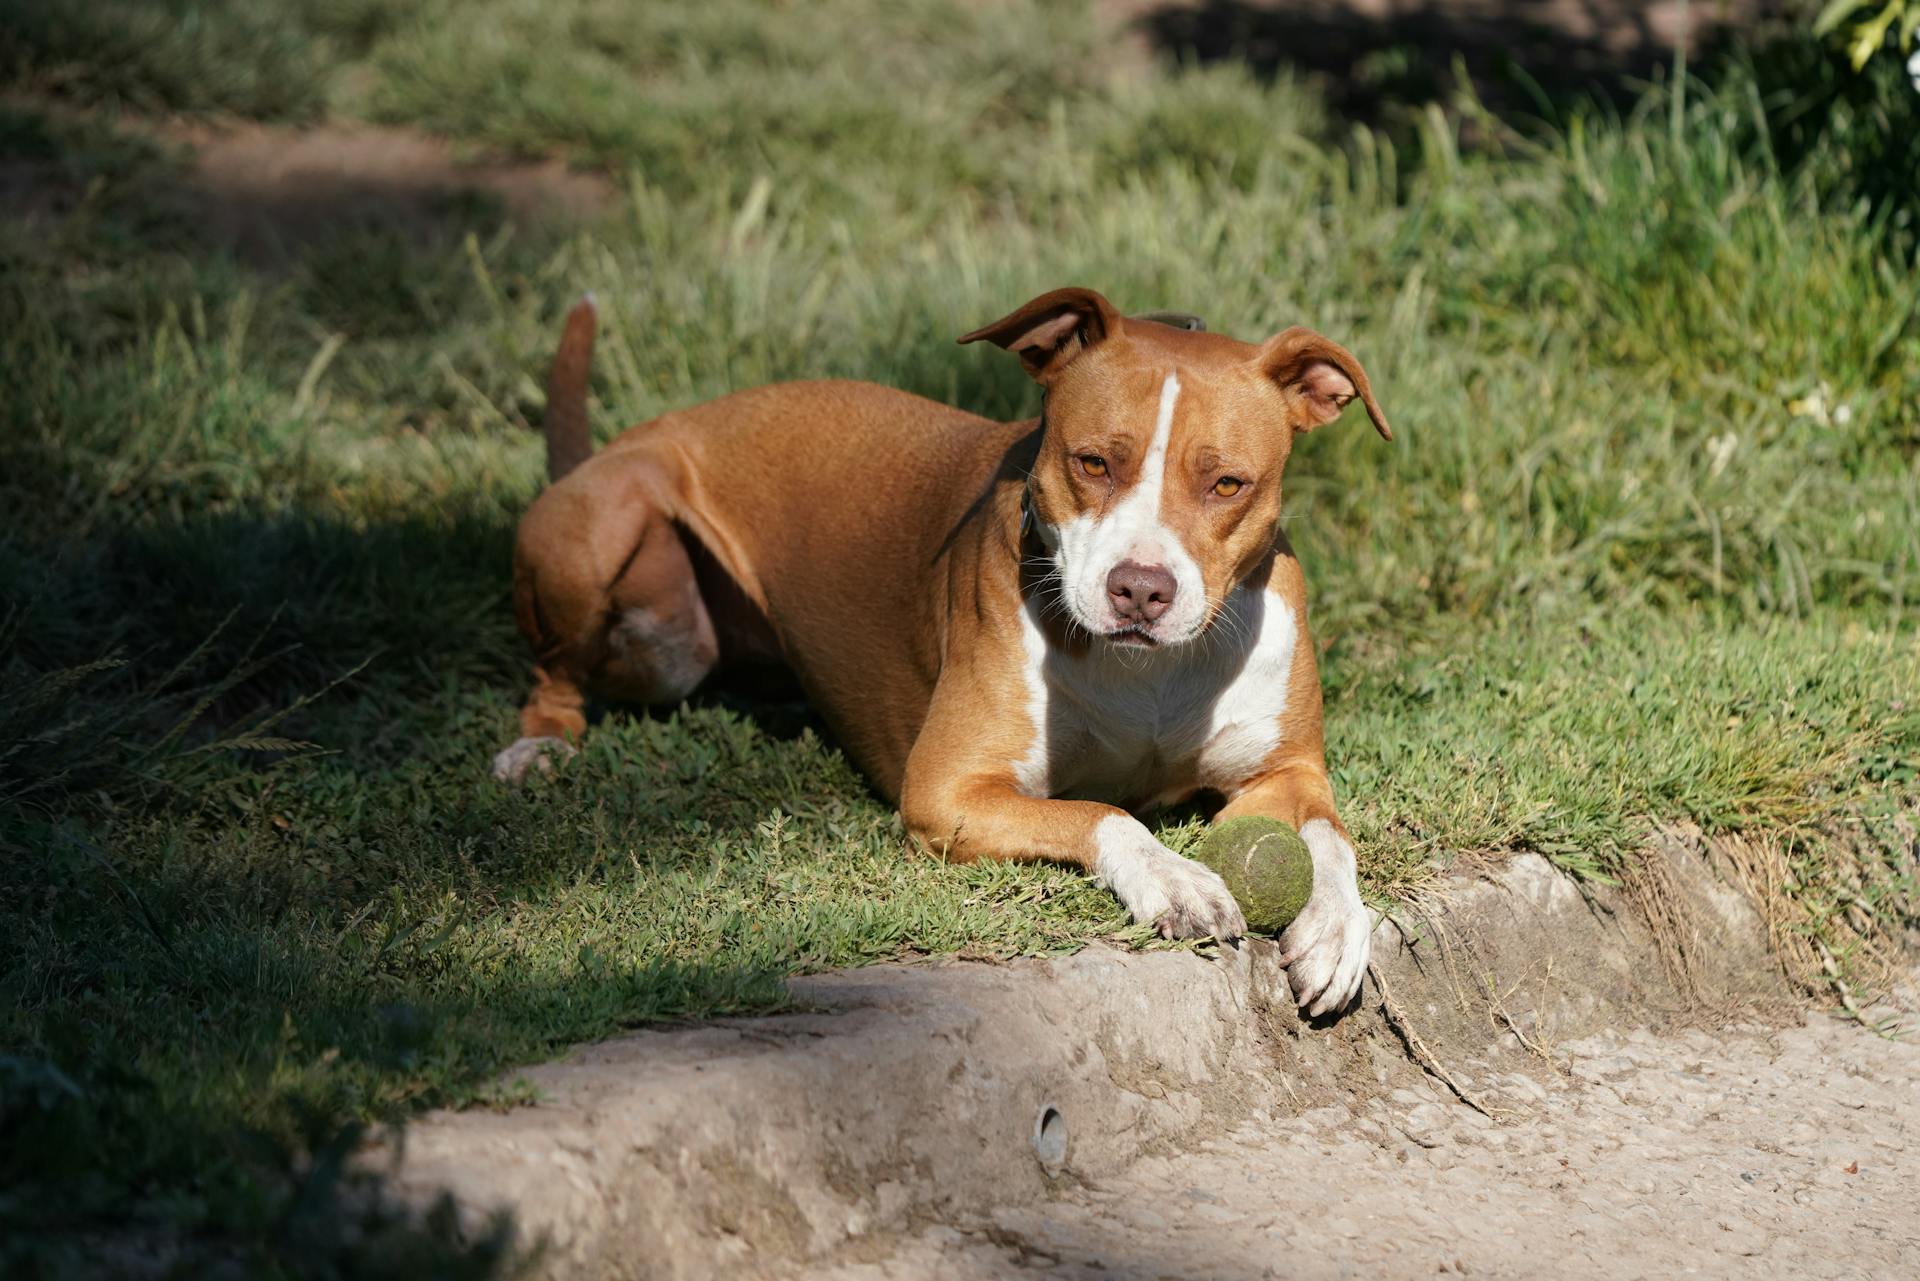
x=1088, y=547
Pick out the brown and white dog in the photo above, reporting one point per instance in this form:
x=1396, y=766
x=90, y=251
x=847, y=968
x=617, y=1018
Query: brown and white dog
x=1024, y=633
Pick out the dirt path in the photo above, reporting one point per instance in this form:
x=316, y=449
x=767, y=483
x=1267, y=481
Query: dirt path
x=266, y=189
x=268, y=192
x=1750, y=1153
x=887, y=1127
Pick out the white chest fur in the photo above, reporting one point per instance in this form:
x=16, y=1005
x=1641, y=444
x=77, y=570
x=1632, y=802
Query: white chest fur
x=1138, y=727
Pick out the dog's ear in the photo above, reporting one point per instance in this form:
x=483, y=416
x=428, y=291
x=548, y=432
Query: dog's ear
x=1051, y=330
x=1318, y=377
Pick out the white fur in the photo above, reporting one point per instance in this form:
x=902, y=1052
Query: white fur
x=1139, y=728
x=523, y=754
x=1327, y=946
x=1136, y=727
x=1086, y=548
x=1159, y=887
x=666, y=658
x=1030, y=772
x=1246, y=716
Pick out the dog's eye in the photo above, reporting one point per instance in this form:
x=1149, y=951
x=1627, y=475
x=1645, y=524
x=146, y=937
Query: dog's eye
x=1227, y=486
x=1093, y=464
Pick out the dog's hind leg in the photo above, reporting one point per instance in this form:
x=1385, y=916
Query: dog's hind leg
x=606, y=594
x=550, y=723
x=603, y=588
x=660, y=640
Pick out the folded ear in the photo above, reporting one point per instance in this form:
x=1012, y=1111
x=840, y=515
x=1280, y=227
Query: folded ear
x=1319, y=377
x=1051, y=330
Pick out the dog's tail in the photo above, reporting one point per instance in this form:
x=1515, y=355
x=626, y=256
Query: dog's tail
x=569, y=436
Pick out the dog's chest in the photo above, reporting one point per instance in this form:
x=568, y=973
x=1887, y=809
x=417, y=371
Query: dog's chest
x=1136, y=728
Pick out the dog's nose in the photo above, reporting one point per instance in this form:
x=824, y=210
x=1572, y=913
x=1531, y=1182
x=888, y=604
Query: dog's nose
x=1139, y=593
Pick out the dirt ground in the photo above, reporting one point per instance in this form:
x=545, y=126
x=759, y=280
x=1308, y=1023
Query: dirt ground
x=266, y=188
x=1751, y=1152
x=267, y=192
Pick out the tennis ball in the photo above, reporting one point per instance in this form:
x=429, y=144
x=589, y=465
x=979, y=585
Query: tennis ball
x=1266, y=867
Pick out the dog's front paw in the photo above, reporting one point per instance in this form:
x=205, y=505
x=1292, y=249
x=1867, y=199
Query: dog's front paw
x=1199, y=905
x=1325, y=950
x=513, y=762
x=1179, y=897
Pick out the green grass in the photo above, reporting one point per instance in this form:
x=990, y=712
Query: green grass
x=1646, y=550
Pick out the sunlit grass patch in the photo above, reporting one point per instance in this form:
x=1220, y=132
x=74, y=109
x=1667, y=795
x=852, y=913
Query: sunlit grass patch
x=1566, y=738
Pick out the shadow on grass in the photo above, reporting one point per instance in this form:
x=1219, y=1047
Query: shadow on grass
x=1851, y=134
x=221, y=955
x=224, y=891
x=267, y=195
x=1376, y=58
x=322, y=1220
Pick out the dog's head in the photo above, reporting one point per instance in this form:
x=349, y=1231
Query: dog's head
x=1157, y=487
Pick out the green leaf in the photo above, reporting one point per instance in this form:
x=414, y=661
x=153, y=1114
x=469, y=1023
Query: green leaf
x=1871, y=34
x=1836, y=12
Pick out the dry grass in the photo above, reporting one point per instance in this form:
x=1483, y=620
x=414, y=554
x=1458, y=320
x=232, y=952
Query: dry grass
x=1837, y=910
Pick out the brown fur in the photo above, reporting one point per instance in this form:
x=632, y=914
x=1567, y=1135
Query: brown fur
x=873, y=542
